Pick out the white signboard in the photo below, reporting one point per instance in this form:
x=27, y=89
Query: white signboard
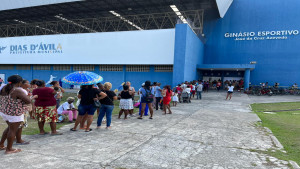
x=155, y=47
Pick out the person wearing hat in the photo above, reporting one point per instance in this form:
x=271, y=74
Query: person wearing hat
x=140, y=107
x=69, y=109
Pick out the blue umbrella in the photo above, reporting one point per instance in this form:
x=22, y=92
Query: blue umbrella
x=82, y=78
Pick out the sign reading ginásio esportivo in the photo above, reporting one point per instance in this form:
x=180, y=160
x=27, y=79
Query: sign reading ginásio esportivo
x=262, y=35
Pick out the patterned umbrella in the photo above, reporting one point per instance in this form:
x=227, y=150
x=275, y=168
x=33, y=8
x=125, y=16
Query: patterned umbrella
x=82, y=78
x=120, y=88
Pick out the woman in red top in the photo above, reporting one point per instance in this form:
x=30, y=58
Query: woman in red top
x=167, y=99
x=45, y=107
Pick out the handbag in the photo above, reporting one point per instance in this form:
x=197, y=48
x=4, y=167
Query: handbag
x=97, y=103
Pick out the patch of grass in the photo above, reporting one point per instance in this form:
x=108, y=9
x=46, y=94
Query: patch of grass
x=33, y=129
x=259, y=107
x=284, y=125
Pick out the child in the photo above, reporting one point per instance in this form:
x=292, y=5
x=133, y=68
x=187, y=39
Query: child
x=24, y=87
x=57, y=94
x=193, y=90
x=175, y=98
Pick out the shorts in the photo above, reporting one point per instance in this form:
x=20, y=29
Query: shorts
x=12, y=119
x=144, y=101
x=86, y=109
x=229, y=92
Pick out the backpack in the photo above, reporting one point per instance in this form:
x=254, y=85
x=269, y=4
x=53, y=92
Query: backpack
x=149, y=96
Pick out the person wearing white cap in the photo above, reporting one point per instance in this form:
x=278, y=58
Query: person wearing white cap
x=69, y=109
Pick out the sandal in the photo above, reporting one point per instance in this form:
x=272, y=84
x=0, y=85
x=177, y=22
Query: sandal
x=151, y=118
x=140, y=118
x=88, y=130
x=56, y=134
x=23, y=143
x=14, y=151
x=44, y=133
x=2, y=148
x=72, y=129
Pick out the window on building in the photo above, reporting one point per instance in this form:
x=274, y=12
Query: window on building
x=138, y=68
x=23, y=67
x=6, y=67
x=84, y=67
x=41, y=67
x=111, y=68
x=62, y=67
x=163, y=68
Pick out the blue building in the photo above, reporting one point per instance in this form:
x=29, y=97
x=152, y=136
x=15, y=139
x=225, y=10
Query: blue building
x=169, y=42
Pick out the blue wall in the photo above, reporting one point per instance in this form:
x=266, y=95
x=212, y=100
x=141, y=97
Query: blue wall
x=189, y=52
x=116, y=78
x=277, y=60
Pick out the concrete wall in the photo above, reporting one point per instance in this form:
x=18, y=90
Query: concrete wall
x=189, y=52
x=277, y=60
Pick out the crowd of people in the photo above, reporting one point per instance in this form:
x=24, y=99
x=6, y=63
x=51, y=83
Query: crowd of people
x=21, y=98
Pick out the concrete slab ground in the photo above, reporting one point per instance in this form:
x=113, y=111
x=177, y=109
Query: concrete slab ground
x=211, y=133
